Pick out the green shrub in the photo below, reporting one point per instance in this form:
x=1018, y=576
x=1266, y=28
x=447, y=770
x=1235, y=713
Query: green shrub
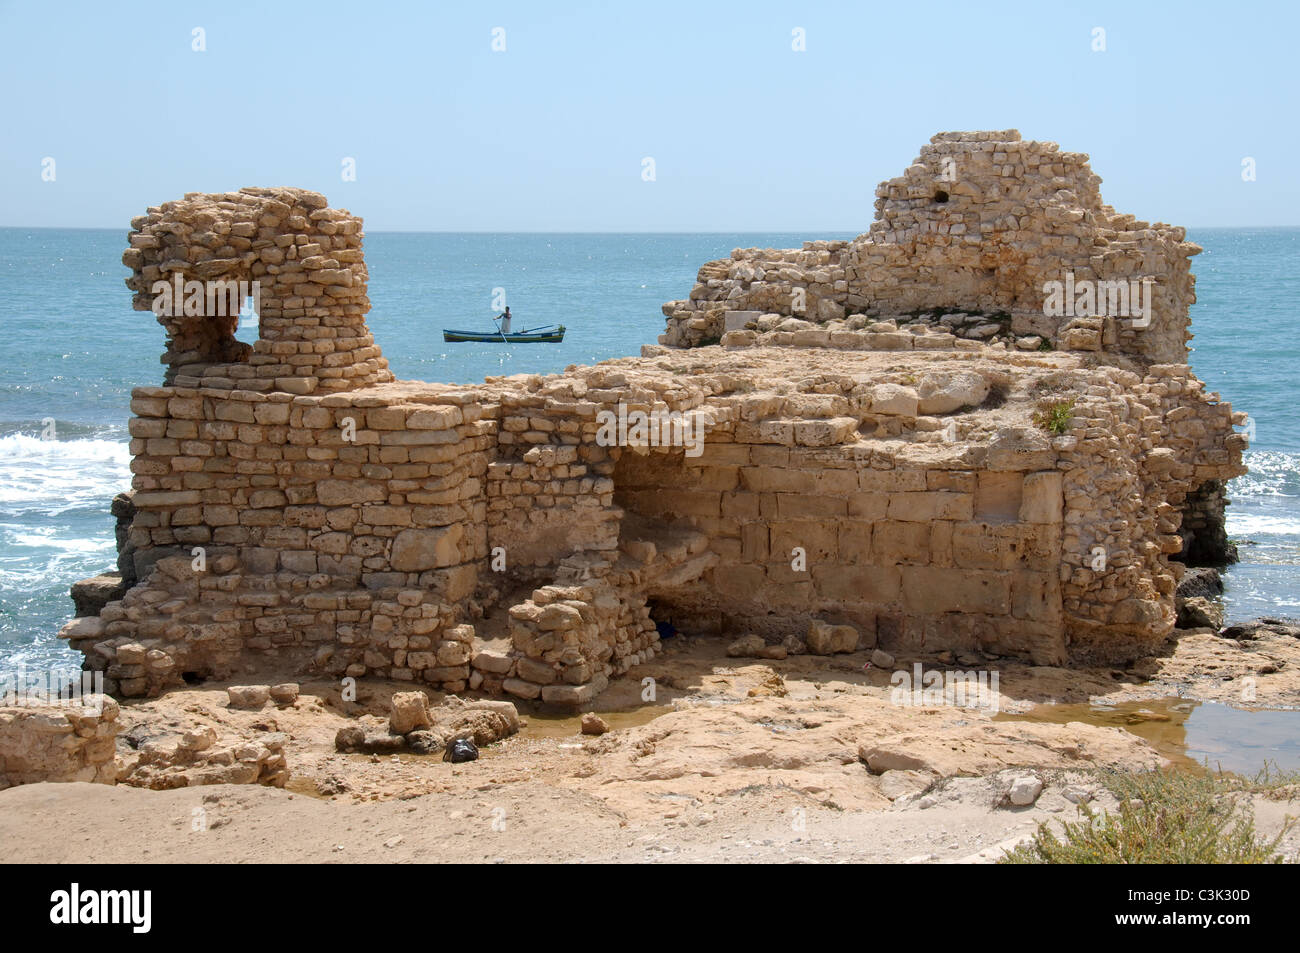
x=1164, y=817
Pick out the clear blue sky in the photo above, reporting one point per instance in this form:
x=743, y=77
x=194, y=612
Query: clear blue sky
x=550, y=134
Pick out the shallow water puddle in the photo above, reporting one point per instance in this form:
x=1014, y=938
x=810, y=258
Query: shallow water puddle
x=548, y=725
x=1190, y=733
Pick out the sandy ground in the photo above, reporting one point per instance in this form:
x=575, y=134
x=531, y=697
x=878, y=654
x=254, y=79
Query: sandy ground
x=799, y=760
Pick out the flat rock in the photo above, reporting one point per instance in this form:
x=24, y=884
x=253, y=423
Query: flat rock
x=248, y=696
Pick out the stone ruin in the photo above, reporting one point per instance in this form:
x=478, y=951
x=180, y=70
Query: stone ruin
x=312, y=335
x=963, y=244
x=896, y=438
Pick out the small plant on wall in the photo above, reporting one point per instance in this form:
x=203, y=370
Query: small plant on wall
x=1056, y=418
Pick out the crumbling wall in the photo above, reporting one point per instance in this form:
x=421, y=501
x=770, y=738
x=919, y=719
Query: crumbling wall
x=978, y=224
x=549, y=492
x=59, y=742
x=306, y=258
x=1122, y=520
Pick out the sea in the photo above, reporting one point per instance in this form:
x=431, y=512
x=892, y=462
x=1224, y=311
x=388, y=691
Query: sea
x=74, y=348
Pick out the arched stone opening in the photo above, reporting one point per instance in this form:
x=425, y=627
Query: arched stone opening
x=201, y=317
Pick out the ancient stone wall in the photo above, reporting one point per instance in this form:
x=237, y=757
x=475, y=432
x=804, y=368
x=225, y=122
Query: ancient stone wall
x=345, y=528
x=306, y=259
x=964, y=476
x=910, y=556
x=59, y=742
x=977, y=226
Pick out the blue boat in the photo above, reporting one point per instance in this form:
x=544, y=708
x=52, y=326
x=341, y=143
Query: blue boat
x=548, y=335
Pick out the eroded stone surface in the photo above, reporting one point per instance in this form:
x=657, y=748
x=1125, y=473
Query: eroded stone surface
x=59, y=742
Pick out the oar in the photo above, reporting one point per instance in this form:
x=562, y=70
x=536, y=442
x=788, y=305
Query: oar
x=540, y=327
x=504, y=339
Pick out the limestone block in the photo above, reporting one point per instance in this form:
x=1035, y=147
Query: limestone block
x=347, y=492
x=409, y=711
x=574, y=695
x=874, y=585
x=894, y=400
x=930, y=590
x=1042, y=501
x=999, y=496
x=931, y=505
x=826, y=639
x=415, y=550
x=534, y=671
x=521, y=689
x=943, y=393
x=248, y=696
x=736, y=320
x=497, y=663
x=284, y=694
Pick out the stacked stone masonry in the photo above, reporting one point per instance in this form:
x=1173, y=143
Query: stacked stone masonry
x=920, y=454
x=54, y=742
x=962, y=246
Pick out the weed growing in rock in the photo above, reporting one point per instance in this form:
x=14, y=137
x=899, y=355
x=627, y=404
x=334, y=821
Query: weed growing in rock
x=1056, y=419
x=1164, y=817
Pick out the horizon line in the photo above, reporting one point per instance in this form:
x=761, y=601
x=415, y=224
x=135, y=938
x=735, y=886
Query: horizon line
x=531, y=231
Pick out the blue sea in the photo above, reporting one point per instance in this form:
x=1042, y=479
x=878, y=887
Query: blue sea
x=75, y=349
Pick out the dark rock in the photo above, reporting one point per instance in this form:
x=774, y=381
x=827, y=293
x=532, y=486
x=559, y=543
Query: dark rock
x=1265, y=625
x=424, y=742
x=1204, y=529
x=349, y=740
x=91, y=595
x=1202, y=581
x=123, y=510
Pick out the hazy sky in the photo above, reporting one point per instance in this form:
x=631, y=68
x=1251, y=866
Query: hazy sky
x=551, y=134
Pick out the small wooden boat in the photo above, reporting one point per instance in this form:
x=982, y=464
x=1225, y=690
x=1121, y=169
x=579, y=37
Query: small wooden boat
x=548, y=335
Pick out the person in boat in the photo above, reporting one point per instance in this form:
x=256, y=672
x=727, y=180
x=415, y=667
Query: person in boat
x=505, y=321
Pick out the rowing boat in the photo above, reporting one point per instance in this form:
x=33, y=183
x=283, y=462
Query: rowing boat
x=547, y=336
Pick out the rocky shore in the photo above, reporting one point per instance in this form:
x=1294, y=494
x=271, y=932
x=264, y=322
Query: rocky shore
x=804, y=758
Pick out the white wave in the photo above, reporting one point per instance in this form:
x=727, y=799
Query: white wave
x=58, y=475
x=1258, y=524
x=1272, y=473
x=48, y=540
